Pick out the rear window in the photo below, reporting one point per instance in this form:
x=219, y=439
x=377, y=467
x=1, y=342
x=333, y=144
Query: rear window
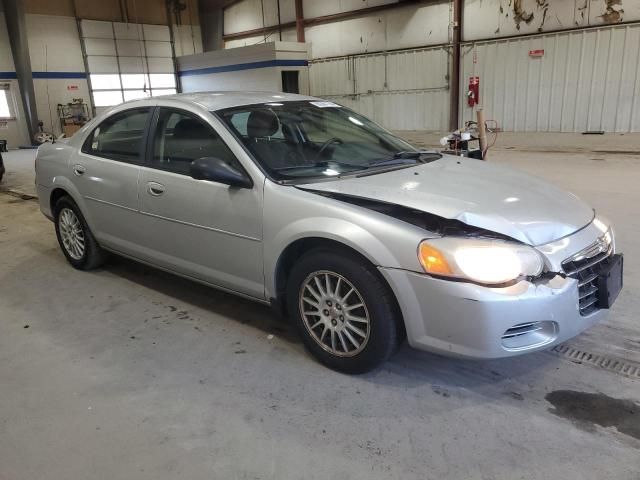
x=119, y=137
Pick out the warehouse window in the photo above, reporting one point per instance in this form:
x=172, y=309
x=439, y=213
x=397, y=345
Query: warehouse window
x=127, y=61
x=5, y=111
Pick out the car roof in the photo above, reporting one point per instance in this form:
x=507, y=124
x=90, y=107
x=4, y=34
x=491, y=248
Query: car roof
x=228, y=99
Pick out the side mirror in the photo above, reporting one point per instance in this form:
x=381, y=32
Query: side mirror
x=217, y=170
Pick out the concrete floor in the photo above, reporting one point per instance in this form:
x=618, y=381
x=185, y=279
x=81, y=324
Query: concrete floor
x=128, y=372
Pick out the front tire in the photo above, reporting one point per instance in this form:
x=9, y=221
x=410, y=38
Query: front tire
x=75, y=238
x=346, y=314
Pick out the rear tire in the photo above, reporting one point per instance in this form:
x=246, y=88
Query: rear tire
x=346, y=314
x=75, y=238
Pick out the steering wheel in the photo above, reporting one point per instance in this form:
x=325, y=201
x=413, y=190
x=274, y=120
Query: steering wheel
x=326, y=144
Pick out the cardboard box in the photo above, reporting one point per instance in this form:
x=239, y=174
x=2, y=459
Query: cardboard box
x=69, y=130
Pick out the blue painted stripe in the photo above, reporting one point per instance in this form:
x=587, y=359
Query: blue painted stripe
x=244, y=66
x=47, y=75
x=54, y=75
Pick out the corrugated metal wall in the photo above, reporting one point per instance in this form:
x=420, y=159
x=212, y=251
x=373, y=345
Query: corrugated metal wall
x=403, y=90
x=586, y=80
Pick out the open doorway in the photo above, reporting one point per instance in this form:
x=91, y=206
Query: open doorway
x=290, y=81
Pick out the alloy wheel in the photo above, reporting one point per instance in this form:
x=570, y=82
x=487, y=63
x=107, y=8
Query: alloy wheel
x=334, y=313
x=72, y=233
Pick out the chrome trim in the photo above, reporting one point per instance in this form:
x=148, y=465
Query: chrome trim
x=589, y=303
x=594, y=261
x=239, y=235
x=593, y=289
x=522, y=330
x=603, y=244
x=587, y=280
x=211, y=229
x=104, y=202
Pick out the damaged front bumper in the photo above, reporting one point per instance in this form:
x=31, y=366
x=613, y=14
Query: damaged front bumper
x=468, y=320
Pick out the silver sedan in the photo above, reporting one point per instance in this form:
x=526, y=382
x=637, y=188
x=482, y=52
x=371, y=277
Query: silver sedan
x=357, y=236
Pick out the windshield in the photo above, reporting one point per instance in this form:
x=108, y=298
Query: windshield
x=306, y=139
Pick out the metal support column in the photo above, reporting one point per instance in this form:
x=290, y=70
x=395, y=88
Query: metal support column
x=172, y=41
x=299, y=21
x=17, y=29
x=211, y=24
x=454, y=81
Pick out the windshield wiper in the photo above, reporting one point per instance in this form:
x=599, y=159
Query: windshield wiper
x=324, y=164
x=400, y=158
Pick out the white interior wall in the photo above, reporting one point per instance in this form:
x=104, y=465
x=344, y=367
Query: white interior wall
x=522, y=93
x=187, y=39
x=247, y=15
x=288, y=35
x=402, y=27
x=586, y=80
x=485, y=19
x=257, y=79
x=54, y=45
x=54, y=48
x=413, y=94
x=205, y=72
x=402, y=90
x=313, y=8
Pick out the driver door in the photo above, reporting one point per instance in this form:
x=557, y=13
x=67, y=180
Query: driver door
x=202, y=229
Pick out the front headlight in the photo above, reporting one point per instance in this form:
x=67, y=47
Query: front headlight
x=490, y=262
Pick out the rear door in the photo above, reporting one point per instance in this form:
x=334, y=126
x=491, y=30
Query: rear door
x=106, y=172
x=203, y=229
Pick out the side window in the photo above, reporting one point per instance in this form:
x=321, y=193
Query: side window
x=181, y=138
x=239, y=121
x=119, y=137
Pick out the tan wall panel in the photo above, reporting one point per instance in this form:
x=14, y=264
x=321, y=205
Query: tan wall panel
x=147, y=11
x=108, y=10
x=49, y=7
x=139, y=11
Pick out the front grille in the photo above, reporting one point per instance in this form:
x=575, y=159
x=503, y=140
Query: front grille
x=585, y=266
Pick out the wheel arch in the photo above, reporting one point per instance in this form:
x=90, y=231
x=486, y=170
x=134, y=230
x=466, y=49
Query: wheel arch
x=62, y=186
x=297, y=248
x=56, y=194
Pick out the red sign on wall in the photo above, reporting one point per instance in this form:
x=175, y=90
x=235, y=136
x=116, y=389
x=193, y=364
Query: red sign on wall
x=72, y=87
x=473, y=94
x=536, y=53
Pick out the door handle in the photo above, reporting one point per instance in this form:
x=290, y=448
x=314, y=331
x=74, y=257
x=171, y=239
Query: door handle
x=79, y=170
x=155, y=189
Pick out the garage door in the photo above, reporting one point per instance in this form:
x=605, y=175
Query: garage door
x=127, y=61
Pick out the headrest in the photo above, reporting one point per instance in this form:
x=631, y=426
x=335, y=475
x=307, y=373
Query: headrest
x=190, y=129
x=262, y=123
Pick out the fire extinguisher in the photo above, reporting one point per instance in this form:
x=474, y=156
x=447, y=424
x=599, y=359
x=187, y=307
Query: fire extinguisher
x=473, y=94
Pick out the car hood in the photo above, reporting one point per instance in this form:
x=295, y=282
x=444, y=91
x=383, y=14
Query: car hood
x=477, y=193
